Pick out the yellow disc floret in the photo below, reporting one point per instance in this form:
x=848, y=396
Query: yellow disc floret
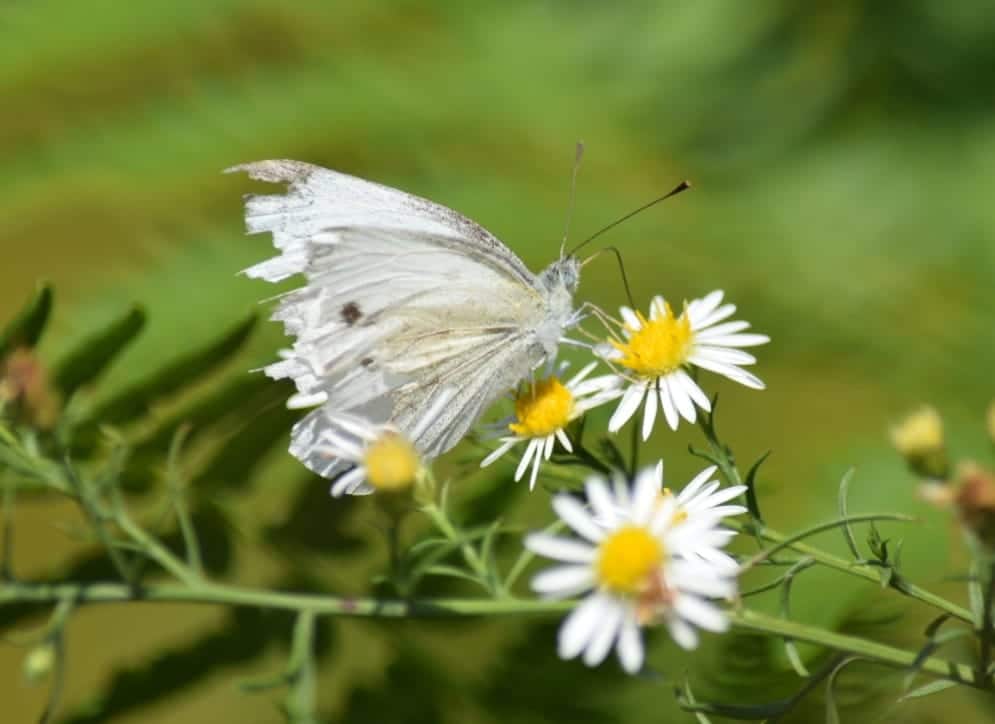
x=659, y=346
x=391, y=463
x=628, y=560
x=542, y=408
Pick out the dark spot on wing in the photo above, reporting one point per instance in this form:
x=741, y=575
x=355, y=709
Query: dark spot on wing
x=350, y=313
x=366, y=361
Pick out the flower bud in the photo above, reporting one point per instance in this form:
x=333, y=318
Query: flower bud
x=39, y=662
x=975, y=501
x=919, y=438
x=25, y=386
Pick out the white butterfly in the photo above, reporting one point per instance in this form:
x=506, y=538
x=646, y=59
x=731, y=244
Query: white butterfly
x=408, y=307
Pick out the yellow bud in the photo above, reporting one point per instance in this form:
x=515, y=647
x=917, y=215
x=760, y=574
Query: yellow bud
x=392, y=463
x=976, y=501
x=919, y=438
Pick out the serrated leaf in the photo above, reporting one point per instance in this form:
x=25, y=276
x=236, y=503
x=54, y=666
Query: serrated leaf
x=26, y=329
x=136, y=400
x=85, y=363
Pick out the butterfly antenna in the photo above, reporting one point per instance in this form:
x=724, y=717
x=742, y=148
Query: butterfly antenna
x=621, y=267
x=579, y=154
x=681, y=187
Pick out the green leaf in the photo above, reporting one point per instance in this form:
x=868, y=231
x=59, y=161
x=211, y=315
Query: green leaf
x=136, y=400
x=832, y=713
x=85, y=363
x=933, y=687
x=851, y=541
x=752, y=504
x=789, y=645
x=26, y=328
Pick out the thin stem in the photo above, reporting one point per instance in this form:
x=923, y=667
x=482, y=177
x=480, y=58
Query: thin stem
x=301, y=699
x=470, y=555
x=175, y=482
x=7, y=557
x=862, y=570
x=985, y=659
x=209, y=593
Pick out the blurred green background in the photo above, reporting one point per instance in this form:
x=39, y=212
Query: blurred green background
x=843, y=155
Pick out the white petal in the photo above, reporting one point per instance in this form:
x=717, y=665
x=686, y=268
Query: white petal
x=604, y=635
x=579, y=377
x=732, y=340
x=603, y=505
x=535, y=465
x=630, y=646
x=649, y=415
x=602, y=383
x=681, y=399
x=697, y=482
x=564, y=440
x=577, y=628
x=704, y=306
x=693, y=391
x=731, y=371
x=576, y=516
x=550, y=440
x=563, y=581
x=627, y=407
x=726, y=310
x=658, y=307
x=644, y=497
x=701, y=613
x=498, y=452
x=567, y=550
x=523, y=464
x=682, y=633
x=724, y=354
x=630, y=318
x=719, y=330
x=669, y=411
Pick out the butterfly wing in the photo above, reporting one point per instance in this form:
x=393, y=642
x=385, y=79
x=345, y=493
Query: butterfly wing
x=405, y=300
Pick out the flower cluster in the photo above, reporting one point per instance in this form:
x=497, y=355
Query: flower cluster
x=641, y=554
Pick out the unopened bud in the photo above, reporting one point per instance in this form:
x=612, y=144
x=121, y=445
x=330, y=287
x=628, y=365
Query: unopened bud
x=976, y=501
x=38, y=663
x=919, y=438
x=25, y=385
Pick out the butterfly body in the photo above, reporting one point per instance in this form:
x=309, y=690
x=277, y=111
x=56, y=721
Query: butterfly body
x=407, y=303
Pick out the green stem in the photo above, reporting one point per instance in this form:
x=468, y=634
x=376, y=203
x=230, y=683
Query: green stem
x=861, y=570
x=470, y=555
x=316, y=605
x=882, y=653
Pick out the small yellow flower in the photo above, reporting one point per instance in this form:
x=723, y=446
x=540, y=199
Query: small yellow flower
x=542, y=408
x=391, y=463
x=919, y=438
x=659, y=345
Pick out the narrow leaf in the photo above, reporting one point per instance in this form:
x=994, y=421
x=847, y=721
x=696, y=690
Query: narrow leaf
x=26, y=328
x=85, y=363
x=933, y=687
x=851, y=541
x=752, y=504
x=135, y=401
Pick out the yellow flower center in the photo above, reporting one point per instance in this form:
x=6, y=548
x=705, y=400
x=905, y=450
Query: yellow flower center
x=628, y=559
x=391, y=463
x=542, y=408
x=659, y=346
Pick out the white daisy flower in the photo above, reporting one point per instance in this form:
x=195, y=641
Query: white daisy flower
x=543, y=409
x=656, y=353
x=374, y=457
x=627, y=562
